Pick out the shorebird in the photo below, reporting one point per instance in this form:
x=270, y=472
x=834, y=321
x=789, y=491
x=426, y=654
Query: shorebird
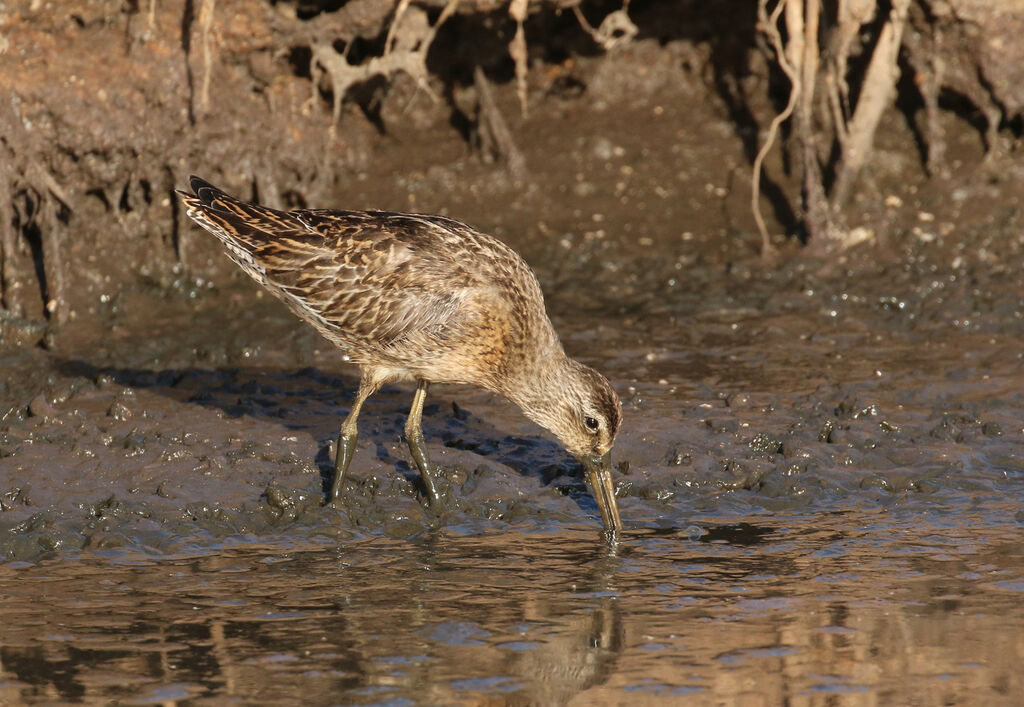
x=427, y=299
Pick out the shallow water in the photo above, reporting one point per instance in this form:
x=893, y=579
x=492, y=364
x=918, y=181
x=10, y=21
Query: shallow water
x=854, y=607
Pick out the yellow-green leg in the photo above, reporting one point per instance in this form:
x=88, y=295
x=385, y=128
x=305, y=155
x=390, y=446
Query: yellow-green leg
x=349, y=435
x=417, y=445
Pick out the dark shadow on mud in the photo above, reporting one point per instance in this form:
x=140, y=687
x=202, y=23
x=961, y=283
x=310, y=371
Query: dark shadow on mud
x=310, y=401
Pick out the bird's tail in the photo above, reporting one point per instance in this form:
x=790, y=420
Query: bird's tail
x=242, y=227
x=237, y=223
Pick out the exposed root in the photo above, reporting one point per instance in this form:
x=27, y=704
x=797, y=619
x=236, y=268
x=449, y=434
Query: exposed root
x=9, y=276
x=495, y=139
x=53, y=261
x=802, y=23
x=205, y=23
x=853, y=14
x=389, y=42
x=408, y=42
x=877, y=92
x=37, y=172
x=769, y=25
x=517, y=50
x=615, y=29
x=799, y=59
x=940, y=52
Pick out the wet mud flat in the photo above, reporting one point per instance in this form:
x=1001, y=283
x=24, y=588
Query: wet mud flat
x=821, y=477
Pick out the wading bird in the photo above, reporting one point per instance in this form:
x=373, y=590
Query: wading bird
x=426, y=299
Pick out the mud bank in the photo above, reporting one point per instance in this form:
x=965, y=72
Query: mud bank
x=301, y=103
x=776, y=391
x=196, y=410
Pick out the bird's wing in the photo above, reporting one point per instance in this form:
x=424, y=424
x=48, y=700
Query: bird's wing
x=359, y=277
x=366, y=284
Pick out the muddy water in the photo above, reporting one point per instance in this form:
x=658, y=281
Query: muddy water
x=851, y=607
x=821, y=477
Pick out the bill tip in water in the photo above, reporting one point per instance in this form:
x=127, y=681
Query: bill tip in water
x=599, y=475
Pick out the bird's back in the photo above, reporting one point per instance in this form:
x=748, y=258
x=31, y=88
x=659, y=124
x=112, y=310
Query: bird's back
x=425, y=295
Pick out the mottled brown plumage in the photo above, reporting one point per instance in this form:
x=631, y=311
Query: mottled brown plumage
x=409, y=297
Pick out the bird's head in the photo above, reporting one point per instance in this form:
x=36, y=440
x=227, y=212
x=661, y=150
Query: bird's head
x=587, y=412
x=580, y=407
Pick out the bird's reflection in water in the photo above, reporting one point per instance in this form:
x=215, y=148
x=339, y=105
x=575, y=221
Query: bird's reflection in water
x=528, y=618
x=548, y=612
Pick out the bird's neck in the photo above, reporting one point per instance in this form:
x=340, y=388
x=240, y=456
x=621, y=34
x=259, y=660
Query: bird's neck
x=536, y=383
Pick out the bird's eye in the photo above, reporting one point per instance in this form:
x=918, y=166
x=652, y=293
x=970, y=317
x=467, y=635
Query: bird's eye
x=591, y=424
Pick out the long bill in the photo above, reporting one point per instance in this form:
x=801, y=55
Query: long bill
x=599, y=476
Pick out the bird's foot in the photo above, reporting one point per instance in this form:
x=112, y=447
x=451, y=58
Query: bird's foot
x=428, y=472
x=346, y=449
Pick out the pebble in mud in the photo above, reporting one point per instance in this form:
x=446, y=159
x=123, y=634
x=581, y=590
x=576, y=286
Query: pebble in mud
x=14, y=497
x=286, y=504
x=827, y=431
x=766, y=444
x=42, y=407
x=678, y=455
x=119, y=411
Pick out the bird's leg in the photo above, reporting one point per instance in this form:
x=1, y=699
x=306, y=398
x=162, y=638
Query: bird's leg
x=417, y=445
x=349, y=435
